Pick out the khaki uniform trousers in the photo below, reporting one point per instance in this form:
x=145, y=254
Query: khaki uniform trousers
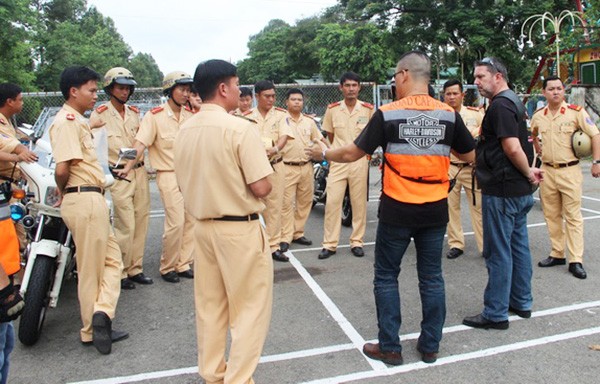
x=131, y=210
x=178, y=235
x=274, y=205
x=560, y=195
x=456, y=238
x=297, y=200
x=99, y=264
x=233, y=289
x=353, y=175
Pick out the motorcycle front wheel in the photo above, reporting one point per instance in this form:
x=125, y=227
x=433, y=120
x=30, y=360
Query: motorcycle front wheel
x=36, y=299
x=346, y=210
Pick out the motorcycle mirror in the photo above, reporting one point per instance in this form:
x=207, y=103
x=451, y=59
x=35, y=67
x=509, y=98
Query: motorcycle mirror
x=128, y=153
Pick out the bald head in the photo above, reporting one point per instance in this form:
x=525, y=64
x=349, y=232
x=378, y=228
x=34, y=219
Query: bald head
x=417, y=63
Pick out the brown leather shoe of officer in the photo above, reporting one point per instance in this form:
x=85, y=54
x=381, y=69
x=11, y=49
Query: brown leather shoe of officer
x=391, y=358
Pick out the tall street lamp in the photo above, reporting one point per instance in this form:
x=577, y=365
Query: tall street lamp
x=546, y=20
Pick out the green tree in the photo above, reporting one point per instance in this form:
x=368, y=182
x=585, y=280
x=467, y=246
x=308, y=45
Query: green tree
x=145, y=70
x=17, y=20
x=354, y=47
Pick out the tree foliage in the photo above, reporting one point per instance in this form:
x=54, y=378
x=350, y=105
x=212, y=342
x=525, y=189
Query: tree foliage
x=145, y=70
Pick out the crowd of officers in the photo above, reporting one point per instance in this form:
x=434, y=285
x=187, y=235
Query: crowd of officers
x=281, y=182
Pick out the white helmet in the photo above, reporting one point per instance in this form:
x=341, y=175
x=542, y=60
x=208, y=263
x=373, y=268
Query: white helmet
x=582, y=144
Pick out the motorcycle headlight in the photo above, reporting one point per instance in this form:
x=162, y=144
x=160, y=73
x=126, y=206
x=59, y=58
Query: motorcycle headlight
x=17, y=211
x=51, y=196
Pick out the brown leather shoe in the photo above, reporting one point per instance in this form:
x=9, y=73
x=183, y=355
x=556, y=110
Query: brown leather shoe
x=392, y=358
x=427, y=357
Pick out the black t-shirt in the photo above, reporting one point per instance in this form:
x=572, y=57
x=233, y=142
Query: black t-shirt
x=378, y=133
x=496, y=174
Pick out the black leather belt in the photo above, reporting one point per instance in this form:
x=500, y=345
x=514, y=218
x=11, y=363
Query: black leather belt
x=253, y=216
x=121, y=166
x=459, y=164
x=276, y=161
x=84, y=188
x=563, y=165
x=296, y=163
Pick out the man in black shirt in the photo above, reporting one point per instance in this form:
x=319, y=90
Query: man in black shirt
x=417, y=133
x=503, y=171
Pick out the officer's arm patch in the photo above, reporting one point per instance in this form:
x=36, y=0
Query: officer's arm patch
x=102, y=108
x=155, y=110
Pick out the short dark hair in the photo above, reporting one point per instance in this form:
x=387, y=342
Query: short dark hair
x=349, y=76
x=9, y=91
x=245, y=91
x=494, y=65
x=430, y=90
x=209, y=74
x=453, y=82
x=263, y=85
x=551, y=78
x=75, y=77
x=294, y=91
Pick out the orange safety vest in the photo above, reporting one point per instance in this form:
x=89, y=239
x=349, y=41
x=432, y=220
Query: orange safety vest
x=417, y=157
x=9, y=243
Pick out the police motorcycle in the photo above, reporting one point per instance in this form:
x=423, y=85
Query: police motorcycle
x=320, y=173
x=50, y=254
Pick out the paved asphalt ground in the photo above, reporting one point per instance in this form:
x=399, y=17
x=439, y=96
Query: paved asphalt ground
x=324, y=312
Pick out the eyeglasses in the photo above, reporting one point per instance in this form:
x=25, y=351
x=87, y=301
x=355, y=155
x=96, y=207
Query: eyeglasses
x=400, y=71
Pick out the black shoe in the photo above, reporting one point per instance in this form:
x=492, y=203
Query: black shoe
x=114, y=337
x=279, y=256
x=189, y=274
x=453, y=253
x=127, y=284
x=101, y=328
x=284, y=247
x=357, y=251
x=479, y=321
x=302, y=241
x=525, y=314
x=325, y=253
x=140, y=278
x=577, y=270
x=170, y=277
x=551, y=262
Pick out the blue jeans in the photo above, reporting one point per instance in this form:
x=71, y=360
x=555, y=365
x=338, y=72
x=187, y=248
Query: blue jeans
x=7, y=343
x=390, y=246
x=507, y=256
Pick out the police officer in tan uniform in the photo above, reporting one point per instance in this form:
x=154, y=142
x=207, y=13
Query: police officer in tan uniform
x=130, y=196
x=234, y=285
x=157, y=133
x=245, y=102
x=560, y=193
x=464, y=174
x=80, y=181
x=299, y=181
x=343, y=122
x=274, y=137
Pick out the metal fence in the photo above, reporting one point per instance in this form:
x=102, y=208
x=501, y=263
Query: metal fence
x=316, y=99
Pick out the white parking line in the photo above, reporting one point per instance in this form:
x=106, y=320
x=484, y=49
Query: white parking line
x=590, y=198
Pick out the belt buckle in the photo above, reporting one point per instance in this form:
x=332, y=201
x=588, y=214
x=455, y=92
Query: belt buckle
x=555, y=165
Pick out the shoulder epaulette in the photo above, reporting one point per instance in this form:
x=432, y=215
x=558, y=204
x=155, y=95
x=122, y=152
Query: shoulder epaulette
x=248, y=112
x=367, y=105
x=539, y=109
x=280, y=109
x=134, y=108
x=246, y=118
x=2, y=121
x=575, y=107
x=187, y=108
x=334, y=104
x=102, y=108
x=474, y=109
x=309, y=116
x=155, y=110
x=70, y=116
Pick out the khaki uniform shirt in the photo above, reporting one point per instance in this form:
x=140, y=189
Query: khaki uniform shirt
x=119, y=131
x=71, y=139
x=269, y=128
x=305, y=132
x=556, y=131
x=344, y=125
x=7, y=131
x=472, y=117
x=227, y=155
x=8, y=144
x=158, y=131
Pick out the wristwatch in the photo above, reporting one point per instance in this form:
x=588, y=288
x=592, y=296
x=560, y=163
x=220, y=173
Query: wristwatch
x=596, y=162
